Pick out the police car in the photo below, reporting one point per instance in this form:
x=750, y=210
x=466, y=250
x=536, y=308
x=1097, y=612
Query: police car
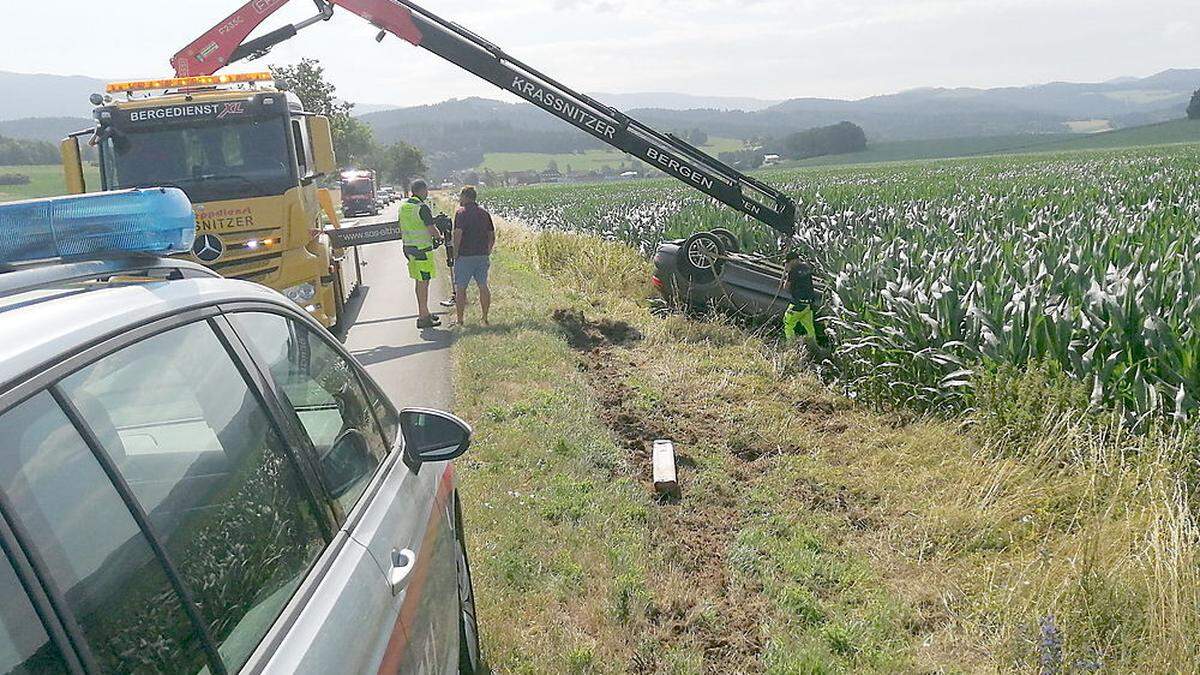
x=196, y=477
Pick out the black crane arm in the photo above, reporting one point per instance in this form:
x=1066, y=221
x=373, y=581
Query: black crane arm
x=477, y=55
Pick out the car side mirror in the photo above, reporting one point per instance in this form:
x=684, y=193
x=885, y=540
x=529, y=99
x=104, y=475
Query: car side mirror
x=346, y=462
x=432, y=436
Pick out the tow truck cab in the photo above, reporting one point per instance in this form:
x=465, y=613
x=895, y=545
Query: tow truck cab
x=248, y=156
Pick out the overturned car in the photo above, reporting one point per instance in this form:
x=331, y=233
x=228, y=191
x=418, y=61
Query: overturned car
x=708, y=269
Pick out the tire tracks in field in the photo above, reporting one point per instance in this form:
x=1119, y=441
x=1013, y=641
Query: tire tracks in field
x=696, y=601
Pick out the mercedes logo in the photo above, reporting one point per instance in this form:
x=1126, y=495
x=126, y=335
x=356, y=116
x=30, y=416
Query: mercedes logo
x=208, y=248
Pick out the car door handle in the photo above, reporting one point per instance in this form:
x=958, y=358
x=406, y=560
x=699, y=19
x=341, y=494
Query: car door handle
x=403, y=563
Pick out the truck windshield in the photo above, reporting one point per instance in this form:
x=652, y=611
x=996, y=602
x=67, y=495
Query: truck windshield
x=361, y=186
x=210, y=161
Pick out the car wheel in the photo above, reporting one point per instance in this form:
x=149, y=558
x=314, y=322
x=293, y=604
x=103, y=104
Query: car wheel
x=728, y=239
x=469, y=661
x=700, y=257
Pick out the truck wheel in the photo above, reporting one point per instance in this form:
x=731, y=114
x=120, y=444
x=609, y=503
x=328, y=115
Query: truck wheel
x=728, y=239
x=700, y=257
x=339, y=299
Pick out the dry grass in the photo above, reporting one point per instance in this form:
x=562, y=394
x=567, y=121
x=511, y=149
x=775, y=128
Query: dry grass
x=813, y=535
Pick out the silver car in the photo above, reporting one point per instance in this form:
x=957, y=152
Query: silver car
x=195, y=477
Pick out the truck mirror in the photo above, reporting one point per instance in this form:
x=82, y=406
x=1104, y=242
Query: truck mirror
x=319, y=134
x=72, y=163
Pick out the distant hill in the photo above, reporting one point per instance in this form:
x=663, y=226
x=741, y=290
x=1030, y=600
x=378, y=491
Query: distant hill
x=52, y=129
x=1162, y=133
x=361, y=109
x=663, y=100
x=458, y=133
x=911, y=115
x=673, y=101
x=25, y=95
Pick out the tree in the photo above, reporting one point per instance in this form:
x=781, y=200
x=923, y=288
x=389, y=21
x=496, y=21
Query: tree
x=1193, y=109
x=352, y=139
x=399, y=163
x=836, y=139
x=354, y=142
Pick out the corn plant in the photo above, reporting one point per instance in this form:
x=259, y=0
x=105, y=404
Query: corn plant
x=934, y=270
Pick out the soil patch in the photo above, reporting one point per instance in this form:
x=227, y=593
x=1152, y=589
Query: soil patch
x=695, y=533
x=585, y=334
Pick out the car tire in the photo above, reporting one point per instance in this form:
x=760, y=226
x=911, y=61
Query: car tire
x=469, y=660
x=729, y=239
x=699, y=259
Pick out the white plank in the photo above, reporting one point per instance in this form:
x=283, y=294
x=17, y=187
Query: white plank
x=665, y=480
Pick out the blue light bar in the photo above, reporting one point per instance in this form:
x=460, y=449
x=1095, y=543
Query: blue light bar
x=154, y=220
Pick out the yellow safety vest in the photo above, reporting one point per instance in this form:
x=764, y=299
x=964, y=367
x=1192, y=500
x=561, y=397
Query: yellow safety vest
x=412, y=228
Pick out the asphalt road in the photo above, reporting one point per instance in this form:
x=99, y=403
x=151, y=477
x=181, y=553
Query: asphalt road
x=412, y=365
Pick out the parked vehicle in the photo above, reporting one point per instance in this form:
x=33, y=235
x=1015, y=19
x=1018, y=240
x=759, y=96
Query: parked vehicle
x=359, y=195
x=196, y=477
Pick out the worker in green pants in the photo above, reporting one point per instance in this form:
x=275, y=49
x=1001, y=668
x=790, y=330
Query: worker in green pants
x=798, y=319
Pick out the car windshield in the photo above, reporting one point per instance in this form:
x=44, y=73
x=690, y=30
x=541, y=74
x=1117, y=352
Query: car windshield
x=209, y=161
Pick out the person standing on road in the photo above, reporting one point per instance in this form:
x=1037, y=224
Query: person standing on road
x=420, y=235
x=474, y=238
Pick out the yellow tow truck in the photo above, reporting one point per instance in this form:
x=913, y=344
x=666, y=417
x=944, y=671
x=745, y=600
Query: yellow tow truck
x=249, y=157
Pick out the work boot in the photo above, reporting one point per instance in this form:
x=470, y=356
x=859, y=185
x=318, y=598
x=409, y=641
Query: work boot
x=428, y=321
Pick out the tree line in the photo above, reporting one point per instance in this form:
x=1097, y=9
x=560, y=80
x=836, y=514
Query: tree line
x=20, y=152
x=835, y=139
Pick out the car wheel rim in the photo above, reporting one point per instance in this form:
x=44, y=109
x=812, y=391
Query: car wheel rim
x=703, y=254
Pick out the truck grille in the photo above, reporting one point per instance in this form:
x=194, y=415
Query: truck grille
x=253, y=255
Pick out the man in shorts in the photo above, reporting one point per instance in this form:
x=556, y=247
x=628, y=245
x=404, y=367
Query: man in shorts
x=421, y=236
x=474, y=238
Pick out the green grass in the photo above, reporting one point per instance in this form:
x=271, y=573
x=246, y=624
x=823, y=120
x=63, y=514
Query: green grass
x=591, y=160
x=1177, y=131
x=813, y=535
x=45, y=181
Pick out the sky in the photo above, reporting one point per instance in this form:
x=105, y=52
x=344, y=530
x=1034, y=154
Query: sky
x=770, y=49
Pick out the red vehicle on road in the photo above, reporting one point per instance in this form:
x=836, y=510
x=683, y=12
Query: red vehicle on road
x=359, y=194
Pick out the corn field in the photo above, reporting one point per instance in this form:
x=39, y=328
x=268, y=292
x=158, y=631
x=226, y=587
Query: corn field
x=932, y=271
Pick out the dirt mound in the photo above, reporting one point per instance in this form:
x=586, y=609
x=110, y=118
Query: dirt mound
x=585, y=335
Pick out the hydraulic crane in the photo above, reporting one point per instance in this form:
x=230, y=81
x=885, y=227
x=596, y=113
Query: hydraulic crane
x=227, y=43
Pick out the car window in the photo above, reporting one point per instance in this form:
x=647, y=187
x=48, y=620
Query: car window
x=328, y=397
x=90, y=545
x=201, y=456
x=24, y=645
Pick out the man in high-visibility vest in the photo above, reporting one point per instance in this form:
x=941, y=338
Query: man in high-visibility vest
x=420, y=234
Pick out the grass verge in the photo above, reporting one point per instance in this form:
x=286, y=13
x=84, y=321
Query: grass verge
x=44, y=181
x=813, y=535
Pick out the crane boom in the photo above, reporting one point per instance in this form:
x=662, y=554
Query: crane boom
x=666, y=152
